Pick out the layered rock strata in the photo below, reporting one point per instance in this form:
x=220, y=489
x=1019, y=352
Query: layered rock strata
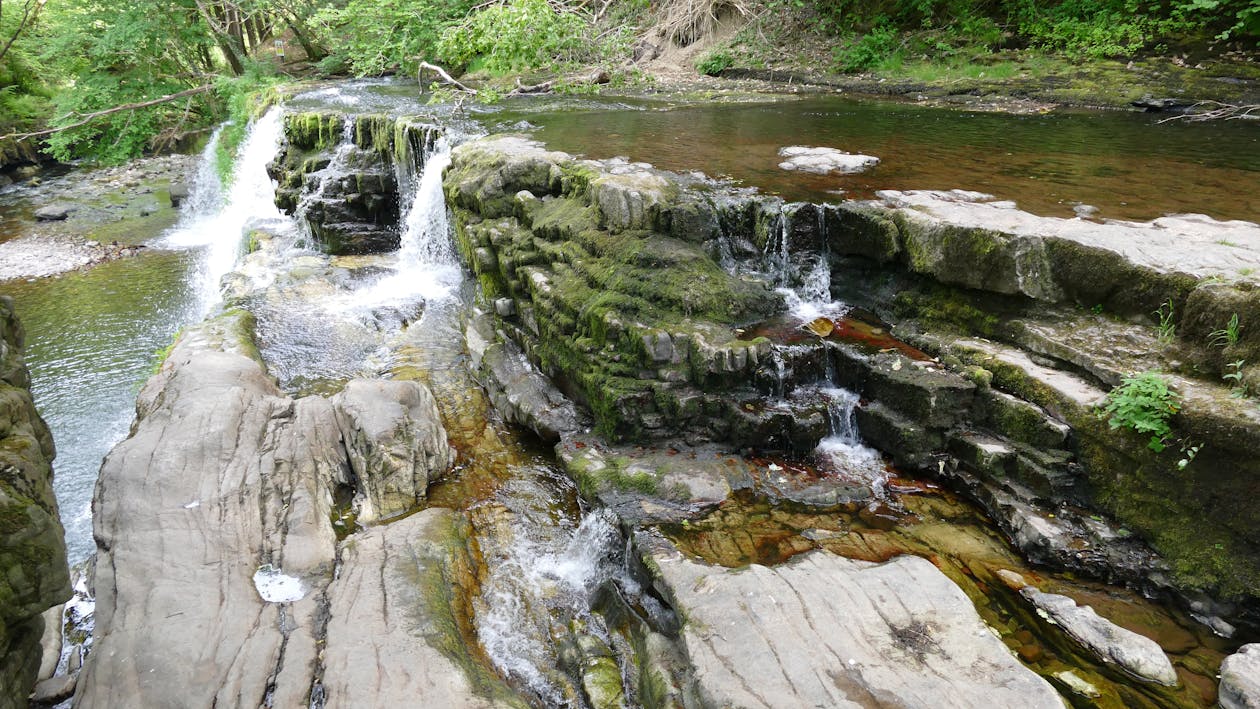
x=220, y=580
x=623, y=285
x=33, y=572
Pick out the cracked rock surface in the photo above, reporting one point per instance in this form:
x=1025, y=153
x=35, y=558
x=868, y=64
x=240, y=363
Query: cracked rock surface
x=823, y=630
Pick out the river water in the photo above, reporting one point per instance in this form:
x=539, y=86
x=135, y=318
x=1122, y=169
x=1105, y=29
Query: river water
x=93, y=337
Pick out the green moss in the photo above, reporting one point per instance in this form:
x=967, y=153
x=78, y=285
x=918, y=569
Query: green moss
x=948, y=306
x=313, y=130
x=592, y=480
x=375, y=132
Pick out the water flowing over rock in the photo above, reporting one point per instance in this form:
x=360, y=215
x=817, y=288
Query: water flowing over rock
x=33, y=572
x=894, y=634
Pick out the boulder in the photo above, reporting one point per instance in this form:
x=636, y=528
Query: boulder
x=178, y=193
x=53, y=212
x=824, y=161
x=1240, y=679
x=517, y=389
x=395, y=443
x=823, y=630
x=1136, y=654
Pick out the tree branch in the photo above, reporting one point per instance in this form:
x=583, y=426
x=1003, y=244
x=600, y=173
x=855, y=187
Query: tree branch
x=1218, y=111
x=446, y=78
x=89, y=117
x=30, y=10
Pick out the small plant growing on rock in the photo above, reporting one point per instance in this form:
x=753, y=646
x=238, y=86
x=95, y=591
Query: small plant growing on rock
x=1226, y=336
x=1144, y=403
x=1235, y=378
x=1167, y=328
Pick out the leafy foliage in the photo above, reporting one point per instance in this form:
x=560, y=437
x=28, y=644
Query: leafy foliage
x=715, y=63
x=1143, y=403
x=519, y=35
x=375, y=36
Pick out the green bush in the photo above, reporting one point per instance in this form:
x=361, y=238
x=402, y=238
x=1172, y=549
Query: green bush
x=1143, y=403
x=715, y=63
x=877, y=45
x=522, y=34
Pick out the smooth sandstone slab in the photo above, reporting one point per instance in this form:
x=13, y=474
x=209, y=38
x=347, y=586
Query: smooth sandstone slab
x=825, y=631
x=388, y=615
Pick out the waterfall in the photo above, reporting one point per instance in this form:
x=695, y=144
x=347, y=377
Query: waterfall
x=426, y=267
x=806, y=290
x=539, y=588
x=426, y=239
x=843, y=448
x=333, y=171
x=216, y=224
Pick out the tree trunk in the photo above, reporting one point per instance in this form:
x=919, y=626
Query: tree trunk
x=313, y=51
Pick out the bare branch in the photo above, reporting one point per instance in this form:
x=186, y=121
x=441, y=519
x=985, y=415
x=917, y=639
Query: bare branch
x=1214, y=111
x=89, y=117
x=446, y=78
x=30, y=10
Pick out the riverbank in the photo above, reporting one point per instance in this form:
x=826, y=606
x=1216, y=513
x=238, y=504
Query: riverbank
x=53, y=221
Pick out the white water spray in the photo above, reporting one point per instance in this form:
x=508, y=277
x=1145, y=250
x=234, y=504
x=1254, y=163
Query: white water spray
x=426, y=268
x=843, y=449
x=218, y=225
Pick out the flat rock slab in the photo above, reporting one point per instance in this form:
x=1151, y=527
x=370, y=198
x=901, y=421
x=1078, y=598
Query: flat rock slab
x=53, y=212
x=1192, y=244
x=1136, y=654
x=824, y=161
x=389, y=610
x=1240, y=679
x=826, y=631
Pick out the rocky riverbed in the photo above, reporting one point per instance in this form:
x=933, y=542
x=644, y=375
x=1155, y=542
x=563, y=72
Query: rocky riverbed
x=56, y=223
x=620, y=466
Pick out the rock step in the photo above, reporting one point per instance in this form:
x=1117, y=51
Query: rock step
x=896, y=634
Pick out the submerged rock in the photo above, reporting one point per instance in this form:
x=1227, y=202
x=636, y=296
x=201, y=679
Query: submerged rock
x=822, y=630
x=824, y=161
x=1240, y=679
x=1136, y=654
x=53, y=212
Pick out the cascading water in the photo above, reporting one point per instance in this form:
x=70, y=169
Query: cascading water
x=843, y=449
x=538, y=590
x=218, y=225
x=323, y=179
x=425, y=268
x=807, y=290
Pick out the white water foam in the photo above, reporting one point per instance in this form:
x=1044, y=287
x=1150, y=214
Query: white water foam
x=557, y=574
x=218, y=224
x=426, y=268
x=277, y=587
x=843, y=449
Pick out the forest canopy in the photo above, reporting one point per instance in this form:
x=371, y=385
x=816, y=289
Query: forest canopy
x=64, y=60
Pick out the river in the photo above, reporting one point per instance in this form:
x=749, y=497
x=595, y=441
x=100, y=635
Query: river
x=95, y=335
